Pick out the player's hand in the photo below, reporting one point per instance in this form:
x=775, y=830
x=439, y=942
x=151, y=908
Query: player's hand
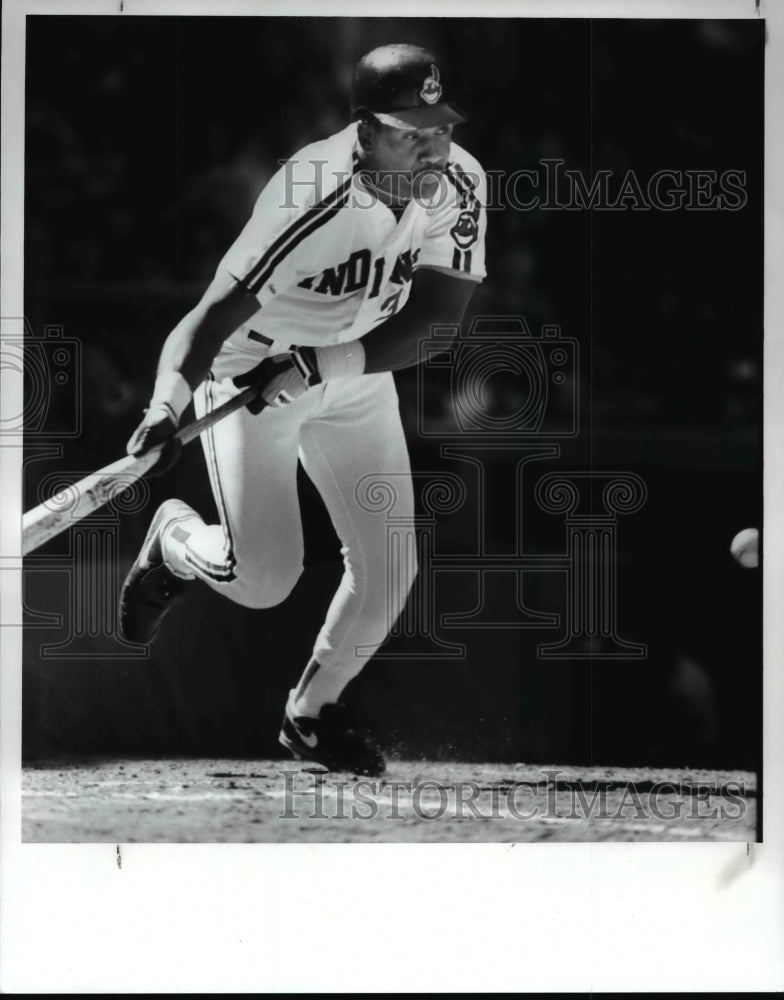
x=280, y=380
x=157, y=427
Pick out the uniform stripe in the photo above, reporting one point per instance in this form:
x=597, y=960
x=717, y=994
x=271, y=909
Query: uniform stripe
x=294, y=226
x=464, y=178
x=224, y=516
x=288, y=239
x=464, y=187
x=320, y=219
x=462, y=183
x=219, y=573
x=310, y=672
x=225, y=572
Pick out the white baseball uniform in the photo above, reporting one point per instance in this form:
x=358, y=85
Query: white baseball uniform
x=328, y=262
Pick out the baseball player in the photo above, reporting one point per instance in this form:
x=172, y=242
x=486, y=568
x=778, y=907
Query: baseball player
x=355, y=248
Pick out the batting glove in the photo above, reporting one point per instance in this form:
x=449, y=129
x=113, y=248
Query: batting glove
x=282, y=379
x=161, y=419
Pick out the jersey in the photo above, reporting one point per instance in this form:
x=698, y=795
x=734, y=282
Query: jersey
x=328, y=261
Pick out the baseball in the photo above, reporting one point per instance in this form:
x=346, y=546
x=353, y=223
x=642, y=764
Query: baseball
x=745, y=548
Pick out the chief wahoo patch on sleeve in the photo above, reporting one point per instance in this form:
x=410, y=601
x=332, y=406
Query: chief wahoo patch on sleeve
x=465, y=231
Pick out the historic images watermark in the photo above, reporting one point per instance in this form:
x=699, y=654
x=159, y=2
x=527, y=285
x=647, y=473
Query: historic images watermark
x=552, y=796
x=549, y=186
x=52, y=367
x=540, y=414
x=504, y=441
x=87, y=565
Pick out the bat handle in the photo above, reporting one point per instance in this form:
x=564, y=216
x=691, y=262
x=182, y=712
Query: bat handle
x=192, y=430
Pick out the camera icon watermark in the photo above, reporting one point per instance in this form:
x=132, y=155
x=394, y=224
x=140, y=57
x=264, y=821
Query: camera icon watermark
x=498, y=380
x=51, y=367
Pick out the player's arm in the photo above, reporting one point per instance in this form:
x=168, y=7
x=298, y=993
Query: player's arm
x=237, y=293
x=185, y=360
x=438, y=298
x=192, y=345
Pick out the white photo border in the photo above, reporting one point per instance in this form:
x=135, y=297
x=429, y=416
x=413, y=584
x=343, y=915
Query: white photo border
x=446, y=917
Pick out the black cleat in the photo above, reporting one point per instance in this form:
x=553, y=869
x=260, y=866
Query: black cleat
x=332, y=740
x=151, y=588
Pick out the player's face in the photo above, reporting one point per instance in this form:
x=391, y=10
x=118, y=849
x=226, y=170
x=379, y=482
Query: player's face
x=412, y=159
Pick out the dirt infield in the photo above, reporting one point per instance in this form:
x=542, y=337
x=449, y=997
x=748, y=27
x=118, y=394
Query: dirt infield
x=220, y=801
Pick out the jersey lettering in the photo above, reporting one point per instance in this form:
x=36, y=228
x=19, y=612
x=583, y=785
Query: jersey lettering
x=390, y=305
x=332, y=279
x=354, y=274
x=378, y=274
x=358, y=270
x=403, y=270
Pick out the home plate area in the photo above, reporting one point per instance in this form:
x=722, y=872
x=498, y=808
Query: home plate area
x=143, y=800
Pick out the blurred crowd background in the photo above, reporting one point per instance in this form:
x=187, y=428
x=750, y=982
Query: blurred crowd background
x=147, y=142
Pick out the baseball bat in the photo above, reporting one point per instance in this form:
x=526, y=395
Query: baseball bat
x=53, y=516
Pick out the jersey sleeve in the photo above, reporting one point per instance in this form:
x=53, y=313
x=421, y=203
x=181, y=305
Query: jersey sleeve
x=275, y=245
x=455, y=238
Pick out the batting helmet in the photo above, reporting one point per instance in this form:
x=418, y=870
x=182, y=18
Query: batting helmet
x=402, y=86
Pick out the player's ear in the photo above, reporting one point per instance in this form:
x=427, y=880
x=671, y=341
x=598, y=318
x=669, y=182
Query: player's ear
x=366, y=132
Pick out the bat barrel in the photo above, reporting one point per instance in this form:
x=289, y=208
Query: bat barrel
x=78, y=500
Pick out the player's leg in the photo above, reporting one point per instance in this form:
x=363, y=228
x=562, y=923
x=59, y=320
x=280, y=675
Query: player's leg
x=254, y=555
x=355, y=452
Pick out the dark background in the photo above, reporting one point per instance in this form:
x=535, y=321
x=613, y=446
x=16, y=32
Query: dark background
x=147, y=142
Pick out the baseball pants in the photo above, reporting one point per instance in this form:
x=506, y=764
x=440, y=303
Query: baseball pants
x=349, y=438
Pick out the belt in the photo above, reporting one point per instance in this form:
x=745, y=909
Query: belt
x=253, y=335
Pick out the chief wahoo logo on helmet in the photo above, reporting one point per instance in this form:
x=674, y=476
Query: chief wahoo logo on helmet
x=431, y=88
